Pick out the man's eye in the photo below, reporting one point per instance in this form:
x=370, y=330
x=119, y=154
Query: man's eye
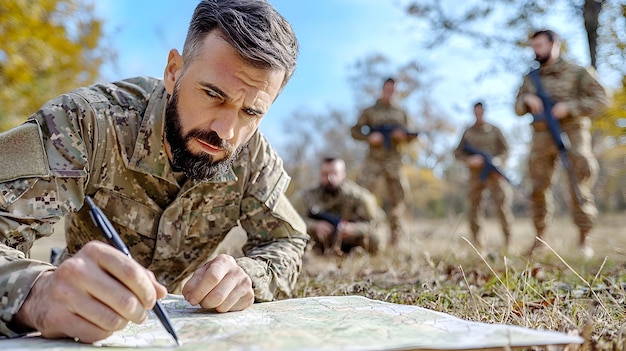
x=250, y=112
x=212, y=94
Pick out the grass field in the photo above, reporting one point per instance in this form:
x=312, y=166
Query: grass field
x=434, y=267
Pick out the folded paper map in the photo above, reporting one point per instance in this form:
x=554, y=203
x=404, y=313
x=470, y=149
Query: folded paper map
x=313, y=323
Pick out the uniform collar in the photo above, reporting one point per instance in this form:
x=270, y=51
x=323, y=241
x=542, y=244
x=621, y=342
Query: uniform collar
x=149, y=154
x=555, y=67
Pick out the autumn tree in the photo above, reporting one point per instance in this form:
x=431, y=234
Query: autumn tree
x=506, y=24
x=47, y=47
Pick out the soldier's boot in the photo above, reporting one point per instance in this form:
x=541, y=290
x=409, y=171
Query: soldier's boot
x=476, y=241
x=535, y=244
x=507, y=241
x=584, y=245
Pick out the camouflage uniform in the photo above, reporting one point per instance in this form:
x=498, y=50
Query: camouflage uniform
x=384, y=163
x=106, y=141
x=584, y=96
x=353, y=204
x=488, y=138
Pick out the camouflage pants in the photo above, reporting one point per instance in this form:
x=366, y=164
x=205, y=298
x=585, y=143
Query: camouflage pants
x=500, y=193
x=371, y=241
x=543, y=159
x=395, y=185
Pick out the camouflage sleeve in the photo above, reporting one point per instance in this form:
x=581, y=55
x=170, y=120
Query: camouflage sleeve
x=366, y=212
x=302, y=204
x=276, y=233
x=42, y=172
x=459, y=154
x=592, y=97
x=357, y=130
x=502, y=147
x=526, y=88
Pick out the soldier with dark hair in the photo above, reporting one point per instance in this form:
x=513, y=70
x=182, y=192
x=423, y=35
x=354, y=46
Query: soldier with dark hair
x=385, y=128
x=339, y=214
x=488, y=140
x=174, y=164
x=577, y=97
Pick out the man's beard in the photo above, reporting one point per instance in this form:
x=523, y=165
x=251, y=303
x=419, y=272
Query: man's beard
x=542, y=59
x=199, y=167
x=330, y=189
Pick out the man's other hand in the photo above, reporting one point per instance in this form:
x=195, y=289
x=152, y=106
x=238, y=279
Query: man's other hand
x=220, y=284
x=90, y=295
x=534, y=103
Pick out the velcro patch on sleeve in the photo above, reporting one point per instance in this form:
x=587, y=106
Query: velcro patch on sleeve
x=22, y=153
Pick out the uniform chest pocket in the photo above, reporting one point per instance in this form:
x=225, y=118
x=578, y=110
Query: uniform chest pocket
x=212, y=222
x=128, y=213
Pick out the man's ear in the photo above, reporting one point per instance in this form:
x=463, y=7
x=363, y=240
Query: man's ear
x=173, y=70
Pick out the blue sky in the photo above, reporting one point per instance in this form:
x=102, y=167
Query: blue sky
x=333, y=35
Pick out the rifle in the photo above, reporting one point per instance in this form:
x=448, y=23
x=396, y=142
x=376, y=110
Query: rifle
x=488, y=167
x=559, y=137
x=386, y=130
x=316, y=213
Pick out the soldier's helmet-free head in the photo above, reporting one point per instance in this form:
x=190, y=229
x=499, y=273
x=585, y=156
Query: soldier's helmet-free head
x=546, y=45
x=253, y=27
x=479, y=112
x=389, y=87
x=332, y=173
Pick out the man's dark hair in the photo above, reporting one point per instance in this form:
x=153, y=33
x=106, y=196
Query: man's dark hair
x=552, y=36
x=479, y=103
x=389, y=80
x=253, y=27
x=330, y=159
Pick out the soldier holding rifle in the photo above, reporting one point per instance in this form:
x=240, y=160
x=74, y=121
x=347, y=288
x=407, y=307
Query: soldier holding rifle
x=340, y=215
x=385, y=127
x=575, y=96
x=484, y=149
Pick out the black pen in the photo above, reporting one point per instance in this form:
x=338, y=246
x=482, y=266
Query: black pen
x=111, y=234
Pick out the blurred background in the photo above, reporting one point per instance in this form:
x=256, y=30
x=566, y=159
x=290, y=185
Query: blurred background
x=446, y=56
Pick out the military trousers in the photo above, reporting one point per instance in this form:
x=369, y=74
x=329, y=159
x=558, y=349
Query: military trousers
x=396, y=186
x=543, y=160
x=500, y=193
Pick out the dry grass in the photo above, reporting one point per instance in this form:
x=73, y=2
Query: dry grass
x=434, y=267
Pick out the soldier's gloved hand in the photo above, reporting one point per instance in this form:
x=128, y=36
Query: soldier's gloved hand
x=475, y=161
x=399, y=135
x=220, y=284
x=90, y=295
x=376, y=138
x=534, y=103
x=560, y=110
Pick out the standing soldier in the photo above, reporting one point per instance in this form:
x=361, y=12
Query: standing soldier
x=483, y=137
x=385, y=127
x=340, y=214
x=577, y=95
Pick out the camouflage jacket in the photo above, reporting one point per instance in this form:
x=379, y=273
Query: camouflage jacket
x=352, y=203
x=106, y=141
x=570, y=84
x=376, y=116
x=487, y=138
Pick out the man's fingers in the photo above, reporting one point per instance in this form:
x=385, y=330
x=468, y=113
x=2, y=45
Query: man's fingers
x=98, y=314
x=73, y=326
x=240, y=298
x=220, y=284
x=202, y=282
x=126, y=270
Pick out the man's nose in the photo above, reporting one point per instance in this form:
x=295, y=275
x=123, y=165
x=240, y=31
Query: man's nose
x=224, y=124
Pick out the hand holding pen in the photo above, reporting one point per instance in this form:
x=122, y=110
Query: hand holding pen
x=114, y=239
x=90, y=295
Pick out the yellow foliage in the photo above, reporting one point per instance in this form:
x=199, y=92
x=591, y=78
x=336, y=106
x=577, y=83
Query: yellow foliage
x=48, y=47
x=607, y=121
